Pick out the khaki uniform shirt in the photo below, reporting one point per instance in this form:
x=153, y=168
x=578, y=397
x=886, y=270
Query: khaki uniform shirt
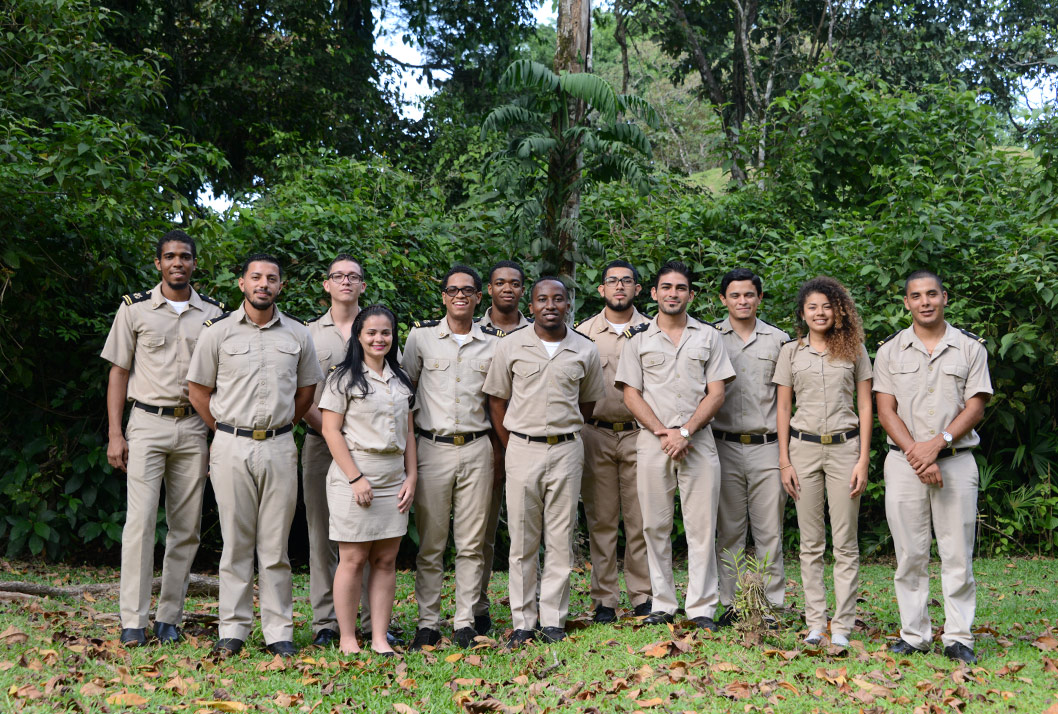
x=450, y=377
x=155, y=344
x=545, y=392
x=376, y=422
x=255, y=370
x=931, y=390
x=612, y=407
x=750, y=400
x=824, y=390
x=486, y=320
x=330, y=347
x=673, y=378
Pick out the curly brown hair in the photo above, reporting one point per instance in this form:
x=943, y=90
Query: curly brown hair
x=845, y=338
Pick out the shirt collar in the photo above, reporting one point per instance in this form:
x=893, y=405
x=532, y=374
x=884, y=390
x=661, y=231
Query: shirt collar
x=157, y=299
x=240, y=314
x=602, y=324
x=910, y=339
x=443, y=329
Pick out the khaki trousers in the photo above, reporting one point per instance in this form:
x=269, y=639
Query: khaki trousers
x=910, y=507
x=488, y=548
x=698, y=479
x=751, y=497
x=543, y=482
x=453, y=481
x=256, y=487
x=323, y=552
x=174, y=452
x=828, y=469
x=609, y=492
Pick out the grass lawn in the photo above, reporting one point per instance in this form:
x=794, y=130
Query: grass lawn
x=63, y=655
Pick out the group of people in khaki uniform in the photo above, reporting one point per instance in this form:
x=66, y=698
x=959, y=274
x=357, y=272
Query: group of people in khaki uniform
x=620, y=412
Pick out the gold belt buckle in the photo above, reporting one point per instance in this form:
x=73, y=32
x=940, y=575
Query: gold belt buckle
x=826, y=438
x=260, y=434
x=745, y=438
x=619, y=426
x=179, y=412
x=552, y=440
x=459, y=440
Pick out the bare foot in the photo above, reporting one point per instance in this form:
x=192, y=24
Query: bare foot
x=348, y=646
x=382, y=647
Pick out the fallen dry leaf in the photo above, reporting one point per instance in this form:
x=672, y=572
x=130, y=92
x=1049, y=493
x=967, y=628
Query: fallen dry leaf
x=91, y=689
x=1044, y=643
x=454, y=657
x=485, y=705
x=401, y=708
x=649, y=703
x=13, y=636
x=222, y=705
x=127, y=699
x=26, y=691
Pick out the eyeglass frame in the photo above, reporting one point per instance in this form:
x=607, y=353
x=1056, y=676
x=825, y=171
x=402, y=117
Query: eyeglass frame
x=626, y=282
x=351, y=278
x=460, y=291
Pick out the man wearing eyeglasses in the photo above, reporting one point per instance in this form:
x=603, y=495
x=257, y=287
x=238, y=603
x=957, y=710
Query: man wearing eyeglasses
x=609, y=485
x=448, y=360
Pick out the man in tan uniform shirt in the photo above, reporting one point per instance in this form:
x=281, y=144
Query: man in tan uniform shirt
x=506, y=286
x=673, y=371
x=751, y=492
x=552, y=377
x=253, y=375
x=448, y=359
x=149, y=348
x=609, y=485
x=932, y=384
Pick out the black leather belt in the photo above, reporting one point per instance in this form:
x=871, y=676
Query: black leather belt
x=177, y=412
x=313, y=432
x=556, y=439
x=825, y=438
x=746, y=438
x=615, y=425
x=255, y=434
x=944, y=453
x=457, y=439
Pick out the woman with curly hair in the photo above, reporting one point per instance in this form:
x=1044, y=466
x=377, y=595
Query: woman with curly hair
x=824, y=447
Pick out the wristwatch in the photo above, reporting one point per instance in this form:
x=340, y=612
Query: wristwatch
x=684, y=433
x=948, y=438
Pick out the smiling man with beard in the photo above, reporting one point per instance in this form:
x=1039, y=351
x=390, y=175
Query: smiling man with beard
x=253, y=375
x=149, y=348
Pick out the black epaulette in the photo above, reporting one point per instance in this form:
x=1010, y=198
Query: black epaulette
x=136, y=297
x=522, y=327
x=426, y=323
x=214, y=320
x=633, y=331
x=311, y=320
x=490, y=330
x=333, y=367
x=972, y=336
x=792, y=339
x=211, y=301
x=581, y=334
x=883, y=341
x=772, y=324
x=577, y=324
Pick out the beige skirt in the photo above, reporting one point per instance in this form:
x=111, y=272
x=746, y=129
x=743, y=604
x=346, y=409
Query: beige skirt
x=352, y=523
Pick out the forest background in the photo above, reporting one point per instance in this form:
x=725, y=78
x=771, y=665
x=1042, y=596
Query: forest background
x=796, y=137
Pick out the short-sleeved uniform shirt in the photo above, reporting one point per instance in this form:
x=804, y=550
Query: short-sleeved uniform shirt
x=824, y=389
x=673, y=378
x=155, y=344
x=330, y=347
x=254, y=369
x=750, y=400
x=375, y=422
x=450, y=377
x=545, y=392
x=486, y=320
x=609, y=342
x=931, y=390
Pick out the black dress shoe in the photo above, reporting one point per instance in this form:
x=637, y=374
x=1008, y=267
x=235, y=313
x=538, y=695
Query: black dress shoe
x=392, y=637
x=482, y=624
x=167, y=634
x=134, y=636
x=643, y=609
x=704, y=623
x=962, y=653
x=391, y=653
x=727, y=619
x=464, y=637
x=519, y=638
x=902, y=647
x=228, y=646
x=325, y=637
x=658, y=618
x=283, y=648
x=605, y=615
x=424, y=636
x=552, y=634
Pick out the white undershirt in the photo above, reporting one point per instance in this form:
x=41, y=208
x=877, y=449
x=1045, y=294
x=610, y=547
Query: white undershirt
x=461, y=339
x=618, y=328
x=178, y=306
x=551, y=347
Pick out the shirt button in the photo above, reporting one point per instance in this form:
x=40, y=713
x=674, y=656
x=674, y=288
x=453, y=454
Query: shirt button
x=931, y=390
x=931, y=431
x=459, y=359
x=457, y=400
x=931, y=368
x=457, y=379
x=931, y=412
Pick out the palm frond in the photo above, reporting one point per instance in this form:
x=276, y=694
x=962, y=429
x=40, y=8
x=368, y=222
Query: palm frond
x=526, y=74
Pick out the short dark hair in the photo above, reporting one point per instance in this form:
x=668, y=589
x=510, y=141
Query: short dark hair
x=549, y=278
x=175, y=235
x=919, y=275
x=675, y=266
x=345, y=256
x=739, y=274
x=261, y=258
x=620, y=264
x=465, y=270
x=506, y=264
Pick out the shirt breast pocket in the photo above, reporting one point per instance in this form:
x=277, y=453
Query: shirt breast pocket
x=955, y=376
x=235, y=357
x=907, y=378
x=766, y=368
x=289, y=353
x=654, y=364
x=526, y=372
x=324, y=358
x=481, y=366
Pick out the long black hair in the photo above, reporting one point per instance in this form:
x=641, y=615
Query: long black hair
x=349, y=375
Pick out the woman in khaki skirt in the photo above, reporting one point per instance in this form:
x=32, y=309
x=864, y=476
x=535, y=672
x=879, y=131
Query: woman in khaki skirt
x=367, y=410
x=825, y=446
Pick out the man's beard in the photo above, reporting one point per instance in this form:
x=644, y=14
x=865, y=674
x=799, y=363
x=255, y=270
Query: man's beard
x=671, y=311
x=618, y=307
x=257, y=304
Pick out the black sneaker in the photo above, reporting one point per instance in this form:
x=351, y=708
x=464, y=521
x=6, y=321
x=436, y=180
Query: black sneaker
x=704, y=623
x=658, y=618
x=519, y=638
x=643, y=609
x=960, y=652
x=482, y=624
x=134, y=636
x=728, y=618
x=605, y=615
x=464, y=637
x=552, y=634
x=424, y=636
x=902, y=647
